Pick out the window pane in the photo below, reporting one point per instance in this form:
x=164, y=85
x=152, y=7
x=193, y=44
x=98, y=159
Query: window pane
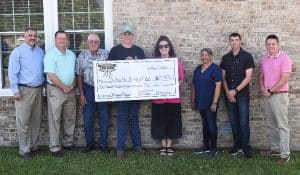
x=64, y=5
x=96, y=5
x=6, y=23
x=37, y=21
x=5, y=80
x=21, y=7
x=80, y=6
x=81, y=21
x=65, y=21
x=21, y=22
x=36, y=6
x=5, y=7
x=97, y=21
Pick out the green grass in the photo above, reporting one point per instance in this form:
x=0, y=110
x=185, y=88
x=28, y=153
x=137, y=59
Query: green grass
x=183, y=162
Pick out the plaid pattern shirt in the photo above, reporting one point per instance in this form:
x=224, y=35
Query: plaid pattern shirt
x=84, y=64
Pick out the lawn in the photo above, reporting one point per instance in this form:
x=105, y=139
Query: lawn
x=183, y=162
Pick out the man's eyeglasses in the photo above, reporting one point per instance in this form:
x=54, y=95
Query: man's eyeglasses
x=164, y=46
x=93, y=42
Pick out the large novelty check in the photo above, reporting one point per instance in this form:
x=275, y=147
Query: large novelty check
x=136, y=79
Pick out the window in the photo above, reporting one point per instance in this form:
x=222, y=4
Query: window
x=76, y=17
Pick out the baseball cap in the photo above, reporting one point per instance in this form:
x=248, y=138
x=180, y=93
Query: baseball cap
x=127, y=29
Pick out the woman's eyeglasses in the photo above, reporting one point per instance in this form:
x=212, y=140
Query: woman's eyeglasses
x=164, y=46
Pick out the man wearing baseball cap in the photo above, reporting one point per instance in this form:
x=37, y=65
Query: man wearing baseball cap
x=127, y=111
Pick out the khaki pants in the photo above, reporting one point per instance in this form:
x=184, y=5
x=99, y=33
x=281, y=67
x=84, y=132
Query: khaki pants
x=28, y=116
x=61, y=110
x=276, y=109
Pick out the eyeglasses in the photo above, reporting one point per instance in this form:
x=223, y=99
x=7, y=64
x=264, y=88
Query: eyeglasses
x=93, y=42
x=164, y=46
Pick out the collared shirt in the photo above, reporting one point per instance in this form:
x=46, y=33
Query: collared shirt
x=235, y=67
x=273, y=67
x=26, y=67
x=62, y=65
x=84, y=64
x=205, y=85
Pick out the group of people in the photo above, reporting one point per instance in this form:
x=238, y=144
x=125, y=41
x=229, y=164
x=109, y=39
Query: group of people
x=64, y=72
x=234, y=74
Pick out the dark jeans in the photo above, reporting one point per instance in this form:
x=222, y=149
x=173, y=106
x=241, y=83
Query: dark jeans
x=89, y=111
x=239, y=118
x=128, y=114
x=210, y=130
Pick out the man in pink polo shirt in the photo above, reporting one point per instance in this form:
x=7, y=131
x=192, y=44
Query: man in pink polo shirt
x=275, y=70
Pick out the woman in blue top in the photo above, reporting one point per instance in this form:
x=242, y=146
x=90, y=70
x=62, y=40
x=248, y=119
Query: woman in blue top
x=206, y=89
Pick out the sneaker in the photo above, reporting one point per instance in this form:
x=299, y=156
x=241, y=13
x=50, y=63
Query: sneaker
x=235, y=151
x=104, y=149
x=26, y=156
x=282, y=161
x=121, y=154
x=57, y=153
x=212, y=153
x=270, y=152
x=201, y=151
x=140, y=151
x=88, y=148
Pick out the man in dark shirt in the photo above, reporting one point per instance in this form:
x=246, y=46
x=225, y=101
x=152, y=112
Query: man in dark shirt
x=127, y=111
x=237, y=68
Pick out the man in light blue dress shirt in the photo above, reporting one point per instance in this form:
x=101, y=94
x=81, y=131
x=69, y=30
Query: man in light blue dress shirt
x=25, y=71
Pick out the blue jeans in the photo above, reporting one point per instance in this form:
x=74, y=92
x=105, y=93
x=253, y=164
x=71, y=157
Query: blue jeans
x=89, y=111
x=210, y=130
x=128, y=114
x=239, y=118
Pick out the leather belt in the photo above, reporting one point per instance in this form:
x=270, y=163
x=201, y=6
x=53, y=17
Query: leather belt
x=25, y=85
x=280, y=92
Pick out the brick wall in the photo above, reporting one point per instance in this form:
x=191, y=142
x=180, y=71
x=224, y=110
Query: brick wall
x=192, y=25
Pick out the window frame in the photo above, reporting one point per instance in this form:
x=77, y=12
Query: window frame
x=51, y=26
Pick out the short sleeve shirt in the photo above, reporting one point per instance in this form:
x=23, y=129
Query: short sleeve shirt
x=235, y=68
x=205, y=84
x=62, y=65
x=84, y=64
x=122, y=53
x=272, y=68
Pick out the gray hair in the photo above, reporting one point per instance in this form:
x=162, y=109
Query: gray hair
x=208, y=50
x=93, y=36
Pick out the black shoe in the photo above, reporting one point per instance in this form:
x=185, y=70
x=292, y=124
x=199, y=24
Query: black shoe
x=36, y=152
x=121, y=154
x=88, y=148
x=72, y=147
x=26, y=156
x=199, y=151
x=247, y=154
x=57, y=153
x=140, y=151
x=104, y=149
